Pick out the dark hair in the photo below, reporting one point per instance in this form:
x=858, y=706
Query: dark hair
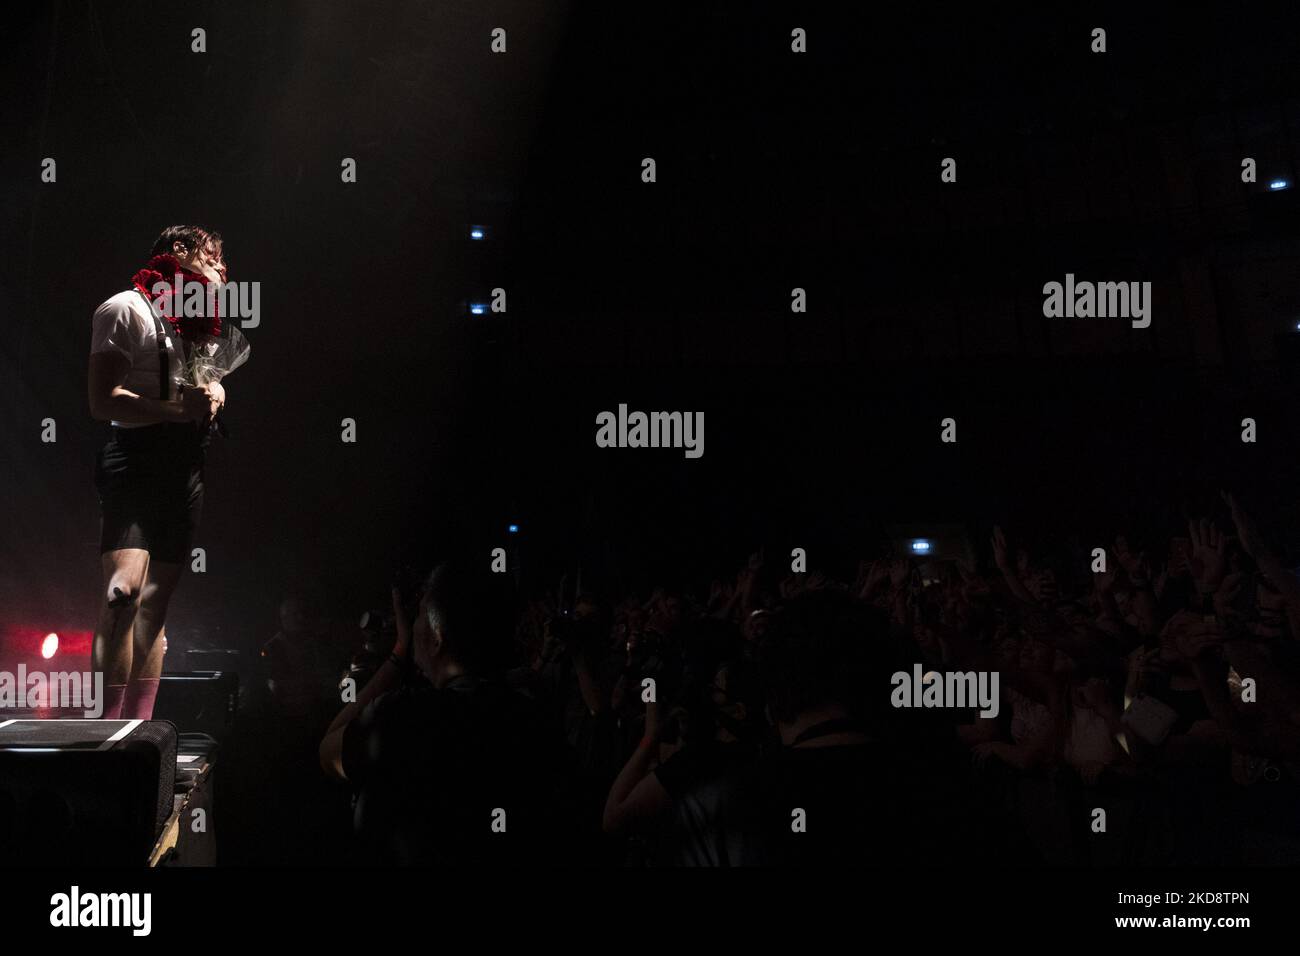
x=194, y=237
x=825, y=648
x=474, y=610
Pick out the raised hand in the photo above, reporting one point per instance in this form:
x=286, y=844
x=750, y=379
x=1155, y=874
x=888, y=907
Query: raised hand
x=1043, y=587
x=1134, y=565
x=1209, y=555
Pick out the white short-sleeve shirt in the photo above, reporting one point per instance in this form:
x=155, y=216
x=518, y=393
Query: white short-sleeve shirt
x=125, y=324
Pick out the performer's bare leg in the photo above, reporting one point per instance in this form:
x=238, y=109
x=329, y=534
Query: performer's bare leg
x=125, y=570
x=149, y=640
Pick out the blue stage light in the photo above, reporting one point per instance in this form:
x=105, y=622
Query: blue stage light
x=1278, y=184
x=920, y=546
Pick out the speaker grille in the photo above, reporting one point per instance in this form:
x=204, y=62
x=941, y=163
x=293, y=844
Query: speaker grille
x=70, y=794
x=159, y=736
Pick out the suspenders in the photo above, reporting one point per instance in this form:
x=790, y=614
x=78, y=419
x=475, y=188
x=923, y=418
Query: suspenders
x=164, y=365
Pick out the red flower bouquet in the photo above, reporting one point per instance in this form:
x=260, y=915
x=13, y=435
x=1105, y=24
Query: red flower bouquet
x=191, y=304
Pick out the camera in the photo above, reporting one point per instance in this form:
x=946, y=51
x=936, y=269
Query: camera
x=379, y=626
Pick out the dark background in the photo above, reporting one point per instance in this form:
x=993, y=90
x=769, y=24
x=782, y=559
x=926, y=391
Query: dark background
x=774, y=171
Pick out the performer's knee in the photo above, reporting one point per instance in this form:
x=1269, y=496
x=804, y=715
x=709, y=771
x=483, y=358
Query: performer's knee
x=154, y=600
x=123, y=594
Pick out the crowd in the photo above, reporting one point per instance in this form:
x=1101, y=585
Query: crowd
x=1149, y=713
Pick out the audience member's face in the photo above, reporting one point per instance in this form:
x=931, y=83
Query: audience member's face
x=1036, y=656
x=1087, y=693
x=635, y=622
x=668, y=614
x=722, y=700
x=1042, y=585
x=1272, y=613
x=293, y=616
x=1073, y=615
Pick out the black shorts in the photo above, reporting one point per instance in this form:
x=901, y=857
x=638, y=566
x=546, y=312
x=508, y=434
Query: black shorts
x=150, y=484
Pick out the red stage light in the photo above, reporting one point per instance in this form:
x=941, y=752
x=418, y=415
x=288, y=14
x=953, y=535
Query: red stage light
x=33, y=644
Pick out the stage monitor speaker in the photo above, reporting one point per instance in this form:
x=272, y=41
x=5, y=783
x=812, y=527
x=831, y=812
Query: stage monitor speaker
x=84, y=792
x=198, y=702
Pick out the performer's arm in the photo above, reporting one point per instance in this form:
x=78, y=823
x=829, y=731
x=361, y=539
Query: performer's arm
x=111, y=401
